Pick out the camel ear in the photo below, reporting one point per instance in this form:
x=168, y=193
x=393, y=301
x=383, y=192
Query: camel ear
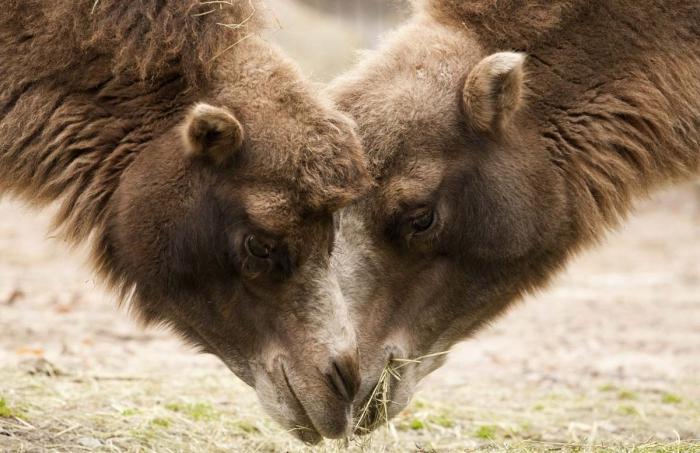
x=493, y=90
x=212, y=132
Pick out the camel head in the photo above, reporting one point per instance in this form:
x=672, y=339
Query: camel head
x=222, y=228
x=465, y=211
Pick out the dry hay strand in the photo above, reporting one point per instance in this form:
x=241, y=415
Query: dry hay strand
x=375, y=411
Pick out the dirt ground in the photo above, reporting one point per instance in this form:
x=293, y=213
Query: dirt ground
x=608, y=356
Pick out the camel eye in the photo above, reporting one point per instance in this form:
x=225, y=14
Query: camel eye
x=423, y=222
x=257, y=248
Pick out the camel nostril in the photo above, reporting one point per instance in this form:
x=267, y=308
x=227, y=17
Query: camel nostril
x=344, y=377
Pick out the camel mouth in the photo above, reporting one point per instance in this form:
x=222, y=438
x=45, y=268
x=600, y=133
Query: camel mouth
x=375, y=409
x=372, y=418
x=374, y=413
x=305, y=429
x=395, y=380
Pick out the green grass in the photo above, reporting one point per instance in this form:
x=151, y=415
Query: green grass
x=161, y=422
x=195, y=411
x=627, y=395
x=486, y=432
x=217, y=414
x=607, y=388
x=442, y=420
x=626, y=409
x=670, y=398
x=428, y=422
x=416, y=424
x=531, y=447
x=245, y=427
x=8, y=412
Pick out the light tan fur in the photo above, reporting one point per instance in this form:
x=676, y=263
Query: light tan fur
x=493, y=90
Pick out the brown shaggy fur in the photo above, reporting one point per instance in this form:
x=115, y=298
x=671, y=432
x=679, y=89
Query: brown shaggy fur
x=97, y=111
x=520, y=164
x=614, y=84
x=149, y=38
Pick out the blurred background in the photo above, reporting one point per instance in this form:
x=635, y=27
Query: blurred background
x=609, y=355
x=324, y=36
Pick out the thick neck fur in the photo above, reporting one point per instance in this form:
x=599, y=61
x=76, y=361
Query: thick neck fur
x=145, y=39
x=613, y=86
x=85, y=86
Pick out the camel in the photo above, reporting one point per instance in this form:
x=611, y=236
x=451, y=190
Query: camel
x=504, y=137
x=204, y=170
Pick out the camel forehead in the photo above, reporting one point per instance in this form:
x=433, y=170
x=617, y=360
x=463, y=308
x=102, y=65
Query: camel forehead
x=413, y=183
x=406, y=98
x=271, y=208
x=440, y=52
x=406, y=121
x=413, y=81
x=293, y=137
x=284, y=119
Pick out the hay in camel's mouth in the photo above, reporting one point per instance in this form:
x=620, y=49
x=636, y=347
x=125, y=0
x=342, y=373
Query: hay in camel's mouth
x=375, y=411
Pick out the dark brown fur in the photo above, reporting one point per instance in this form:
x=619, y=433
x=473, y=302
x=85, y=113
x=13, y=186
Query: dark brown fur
x=522, y=165
x=97, y=112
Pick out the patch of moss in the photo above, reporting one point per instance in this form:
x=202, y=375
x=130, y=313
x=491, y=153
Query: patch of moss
x=627, y=395
x=129, y=412
x=628, y=410
x=442, y=420
x=161, y=422
x=175, y=407
x=143, y=435
x=670, y=398
x=412, y=424
x=416, y=424
x=554, y=397
x=196, y=411
x=538, y=407
x=245, y=426
x=8, y=412
x=607, y=388
x=419, y=404
x=486, y=432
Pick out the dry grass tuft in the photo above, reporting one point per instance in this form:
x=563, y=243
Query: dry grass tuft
x=208, y=410
x=375, y=411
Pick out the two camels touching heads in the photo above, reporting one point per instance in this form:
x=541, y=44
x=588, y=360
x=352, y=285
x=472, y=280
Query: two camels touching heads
x=308, y=250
